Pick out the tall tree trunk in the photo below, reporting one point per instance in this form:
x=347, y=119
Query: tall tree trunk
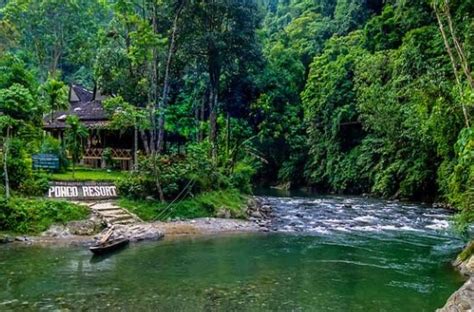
x=227, y=135
x=154, y=100
x=214, y=77
x=5, y=163
x=135, y=148
x=196, y=121
x=156, y=175
x=145, y=141
x=202, y=117
x=73, y=169
x=454, y=66
x=55, y=62
x=154, y=86
x=459, y=48
x=166, y=84
x=213, y=100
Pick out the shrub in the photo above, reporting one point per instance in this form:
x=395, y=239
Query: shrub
x=21, y=176
x=23, y=215
x=18, y=162
x=107, y=157
x=461, y=181
x=203, y=205
x=241, y=177
x=136, y=186
x=36, y=185
x=51, y=145
x=175, y=172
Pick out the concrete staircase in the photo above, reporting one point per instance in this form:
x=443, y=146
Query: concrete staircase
x=113, y=214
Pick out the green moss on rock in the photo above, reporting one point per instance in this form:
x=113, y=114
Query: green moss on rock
x=467, y=252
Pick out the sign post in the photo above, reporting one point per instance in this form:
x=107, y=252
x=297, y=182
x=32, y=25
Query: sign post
x=46, y=161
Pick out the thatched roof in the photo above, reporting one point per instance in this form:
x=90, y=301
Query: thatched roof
x=78, y=93
x=82, y=104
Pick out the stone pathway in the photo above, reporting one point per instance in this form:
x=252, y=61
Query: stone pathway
x=112, y=214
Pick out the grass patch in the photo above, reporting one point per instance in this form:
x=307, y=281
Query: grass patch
x=85, y=174
x=467, y=252
x=32, y=216
x=203, y=205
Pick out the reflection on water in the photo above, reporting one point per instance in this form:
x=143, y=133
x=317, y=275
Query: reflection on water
x=405, y=268
x=96, y=258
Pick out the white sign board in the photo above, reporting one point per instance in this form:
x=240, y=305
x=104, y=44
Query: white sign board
x=82, y=190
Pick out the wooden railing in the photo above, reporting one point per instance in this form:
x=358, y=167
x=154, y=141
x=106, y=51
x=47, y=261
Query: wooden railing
x=116, y=153
x=94, y=157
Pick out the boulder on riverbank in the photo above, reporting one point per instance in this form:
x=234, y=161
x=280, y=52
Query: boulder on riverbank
x=134, y=232
x=257, y=208
x=463, y=299
x=465, y=261
x=88, y=227
x=259, y=212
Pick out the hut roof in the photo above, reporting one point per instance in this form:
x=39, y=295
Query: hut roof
x=82, y=104
x=82, y=94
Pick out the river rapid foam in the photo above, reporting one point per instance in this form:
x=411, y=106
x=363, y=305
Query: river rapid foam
x=355, y=214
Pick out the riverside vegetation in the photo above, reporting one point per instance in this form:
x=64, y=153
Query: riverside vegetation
x=344, y=96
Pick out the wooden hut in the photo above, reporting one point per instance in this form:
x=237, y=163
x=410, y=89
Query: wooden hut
x=103, y=144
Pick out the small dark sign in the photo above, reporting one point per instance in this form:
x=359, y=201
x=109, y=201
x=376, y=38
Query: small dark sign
x=46, y=161
x=82, y=190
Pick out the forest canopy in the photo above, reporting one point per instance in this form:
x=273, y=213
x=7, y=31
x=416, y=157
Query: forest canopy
x=346, y=96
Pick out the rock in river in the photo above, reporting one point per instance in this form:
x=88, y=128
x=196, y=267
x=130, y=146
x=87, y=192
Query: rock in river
x=462, y=300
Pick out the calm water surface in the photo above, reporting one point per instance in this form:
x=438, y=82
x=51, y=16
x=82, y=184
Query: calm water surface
x=326, y=254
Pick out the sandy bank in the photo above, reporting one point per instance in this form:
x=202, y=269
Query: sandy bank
x=145, y=231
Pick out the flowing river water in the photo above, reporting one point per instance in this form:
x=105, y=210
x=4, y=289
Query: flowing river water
x=322, y=254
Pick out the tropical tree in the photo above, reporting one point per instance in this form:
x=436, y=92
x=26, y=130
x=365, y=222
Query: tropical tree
x=141, y=37
x=58, y=35
x=6, y=124
x=74, y=136
x=125, y=116
x=55, y=95
x=221, y=35
x=20, y=114
x=458, y=58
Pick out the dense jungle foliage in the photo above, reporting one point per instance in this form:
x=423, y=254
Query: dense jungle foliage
x=346, y=96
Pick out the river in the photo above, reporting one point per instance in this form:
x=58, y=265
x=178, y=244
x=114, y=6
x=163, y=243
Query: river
x=323, y=254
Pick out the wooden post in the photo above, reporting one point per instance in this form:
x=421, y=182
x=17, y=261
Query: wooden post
x=135, y=148
x=107, y=235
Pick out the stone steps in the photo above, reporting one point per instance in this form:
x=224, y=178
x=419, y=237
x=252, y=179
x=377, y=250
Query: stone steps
x=105, y=210
x=104, y=206
x=113, y=214
x=125, y=222
x=120, y=216
x=116, y=218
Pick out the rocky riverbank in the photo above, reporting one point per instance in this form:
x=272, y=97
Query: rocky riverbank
x=259, y=212
x=86, y=232
x=463, y=299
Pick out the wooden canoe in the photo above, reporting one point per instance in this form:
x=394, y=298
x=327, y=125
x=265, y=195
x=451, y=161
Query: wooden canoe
x=109, y=246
